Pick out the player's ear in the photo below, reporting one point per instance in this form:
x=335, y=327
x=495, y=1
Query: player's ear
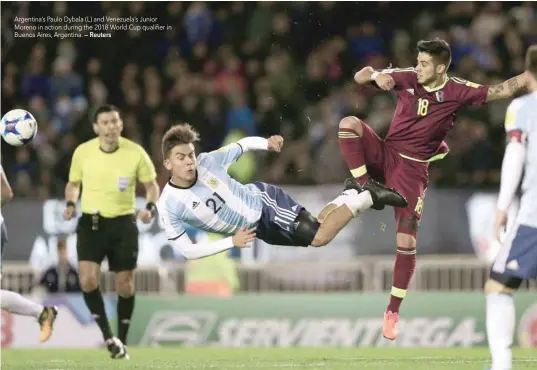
x=167, y=164
x=441, y=68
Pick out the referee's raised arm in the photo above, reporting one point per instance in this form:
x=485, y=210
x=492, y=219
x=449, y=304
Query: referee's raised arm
x=104, y=173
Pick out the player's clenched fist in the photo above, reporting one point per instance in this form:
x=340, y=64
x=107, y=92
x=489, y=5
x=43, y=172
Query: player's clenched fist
x=243, y=237
x=69, y=212
x=275, y=143
x=385, y=82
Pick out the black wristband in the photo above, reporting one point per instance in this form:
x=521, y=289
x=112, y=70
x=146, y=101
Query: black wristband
x=70, y=203
x=151, y=207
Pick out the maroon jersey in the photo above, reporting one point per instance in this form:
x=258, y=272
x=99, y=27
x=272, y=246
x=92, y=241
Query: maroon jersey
x=424, y=116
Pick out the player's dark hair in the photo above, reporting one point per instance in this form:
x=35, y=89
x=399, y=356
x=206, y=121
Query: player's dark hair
x=531, y=60
x=177, y=135
x=439, y=49
x=106, y=108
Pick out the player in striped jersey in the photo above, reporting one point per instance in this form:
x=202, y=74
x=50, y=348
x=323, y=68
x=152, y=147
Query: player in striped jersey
x=202, y=194
x=517, y=259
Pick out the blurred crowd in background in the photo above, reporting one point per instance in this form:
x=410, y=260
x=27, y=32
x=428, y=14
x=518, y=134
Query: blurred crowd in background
x=253, y=68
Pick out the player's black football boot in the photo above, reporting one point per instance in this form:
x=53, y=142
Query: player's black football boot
x=384, y=196
x=351, y=183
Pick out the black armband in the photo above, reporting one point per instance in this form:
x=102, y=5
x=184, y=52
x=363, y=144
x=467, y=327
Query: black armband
x=70, y=203
x=151, y=207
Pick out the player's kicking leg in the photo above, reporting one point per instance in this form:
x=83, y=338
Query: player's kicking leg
x=354, y=200
x=19, y=305
x=363, y=151
x=516, y=261
x=285, y=222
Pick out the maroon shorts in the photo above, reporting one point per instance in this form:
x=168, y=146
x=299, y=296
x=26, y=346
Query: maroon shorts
x=408, y=177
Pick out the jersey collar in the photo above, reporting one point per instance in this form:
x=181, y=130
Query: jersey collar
x=428, y=89
x=181, y=187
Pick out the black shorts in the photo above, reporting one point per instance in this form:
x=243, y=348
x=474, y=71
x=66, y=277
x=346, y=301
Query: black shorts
x=115, y=238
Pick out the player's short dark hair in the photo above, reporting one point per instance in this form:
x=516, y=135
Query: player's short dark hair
x=439, y=49
x=106, y=108
x=531, y=60
x=177, y=135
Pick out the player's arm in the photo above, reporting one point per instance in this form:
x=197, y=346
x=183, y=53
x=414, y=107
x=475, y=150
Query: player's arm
x=386, y=79
x=515, y=154
x=232, y=152
x=508, y=89
x=182, y=243
x=7, y=192
x=147, y=174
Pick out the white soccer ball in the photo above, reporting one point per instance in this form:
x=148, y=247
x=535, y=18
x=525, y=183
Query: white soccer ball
x=18, y=127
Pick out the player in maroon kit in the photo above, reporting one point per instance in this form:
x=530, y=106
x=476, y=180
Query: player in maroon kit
x=427, y=102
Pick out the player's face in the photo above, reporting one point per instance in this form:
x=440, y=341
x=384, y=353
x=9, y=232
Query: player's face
x=108, y=127
x=182, y=162
x=426, y=69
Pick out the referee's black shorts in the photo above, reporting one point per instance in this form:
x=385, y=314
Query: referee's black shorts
x=115, y=238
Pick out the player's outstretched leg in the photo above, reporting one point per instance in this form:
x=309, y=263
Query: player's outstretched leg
x=19, y=305
x=500, y=321
x=336, y=214
x=352, y=132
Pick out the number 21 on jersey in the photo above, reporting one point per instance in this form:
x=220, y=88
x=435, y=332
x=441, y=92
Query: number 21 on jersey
x=423, y=107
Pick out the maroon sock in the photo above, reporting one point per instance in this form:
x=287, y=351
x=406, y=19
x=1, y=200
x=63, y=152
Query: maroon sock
x=405, y=263
x=353, y=152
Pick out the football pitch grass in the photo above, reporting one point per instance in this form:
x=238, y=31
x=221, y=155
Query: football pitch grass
x=260, y=359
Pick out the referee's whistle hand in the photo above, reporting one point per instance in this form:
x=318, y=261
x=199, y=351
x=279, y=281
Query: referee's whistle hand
x=144, y=215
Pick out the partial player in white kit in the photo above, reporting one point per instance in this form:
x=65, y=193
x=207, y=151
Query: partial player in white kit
x=202, y=194
x=517, y=259
x=14, y=302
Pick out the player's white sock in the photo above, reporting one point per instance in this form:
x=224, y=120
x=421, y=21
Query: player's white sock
x=17, y=304
x=357, y=202
x=500, y=329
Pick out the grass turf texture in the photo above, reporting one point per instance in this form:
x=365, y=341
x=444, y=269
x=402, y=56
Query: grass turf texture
x=261, y=359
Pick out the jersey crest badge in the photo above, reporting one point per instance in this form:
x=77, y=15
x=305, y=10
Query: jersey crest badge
x=122, y=183
x=440, y=96
x=213, y=182
x=411, y=91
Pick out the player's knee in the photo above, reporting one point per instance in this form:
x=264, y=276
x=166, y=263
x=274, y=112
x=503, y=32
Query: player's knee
x=125, y=285
x=352, y=123
x=88, y=282
x=492, y=286
x=406, y=240
x=407, y=231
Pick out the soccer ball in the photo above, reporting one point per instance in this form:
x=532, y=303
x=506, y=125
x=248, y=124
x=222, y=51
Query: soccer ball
x=18, y=127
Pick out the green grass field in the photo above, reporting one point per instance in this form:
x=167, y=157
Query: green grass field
x=261, y=359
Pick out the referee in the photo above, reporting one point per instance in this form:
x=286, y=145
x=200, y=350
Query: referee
x=107, y=167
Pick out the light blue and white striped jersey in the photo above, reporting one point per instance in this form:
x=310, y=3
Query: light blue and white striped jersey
x=522, y=116
x=215, y=203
